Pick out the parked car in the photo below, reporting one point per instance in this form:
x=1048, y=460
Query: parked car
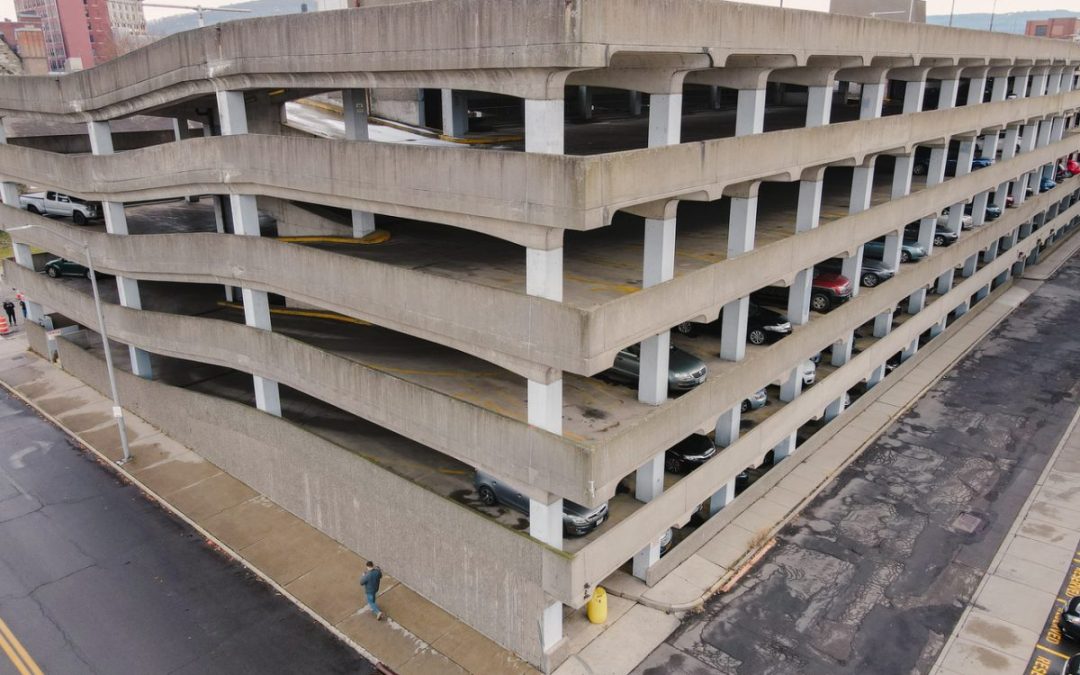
x=763, y=325
x=689, y=453
x=685, y=371
x=757, y=400
x=909, y=251
x=59, y=267
x=873, y=271
x=1069, y=623
x=1072, y=666
x=943, y=236
x=828, y=290
x=808, y=370
x=847, y=402
x=993, y=211
x=976, y=164
x=58, y=204
x=966, y=222
x=577, y=520
x=1047, y=184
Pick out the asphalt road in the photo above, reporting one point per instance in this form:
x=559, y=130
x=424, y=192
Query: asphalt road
x=873, y=577
x=95, y=578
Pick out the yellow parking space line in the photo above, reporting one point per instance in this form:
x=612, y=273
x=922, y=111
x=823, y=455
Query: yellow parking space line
x=1051, y=651
x=597, y=285
x=310, y=313
x=11, y=646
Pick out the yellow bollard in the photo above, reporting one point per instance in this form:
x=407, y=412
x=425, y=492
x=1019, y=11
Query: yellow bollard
x=597, y=610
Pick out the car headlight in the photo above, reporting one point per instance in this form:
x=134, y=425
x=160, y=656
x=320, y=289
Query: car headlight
x=779, y=327
x=578, y=521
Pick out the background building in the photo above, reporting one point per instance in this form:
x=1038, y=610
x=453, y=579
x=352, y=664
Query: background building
x=85, y=33
x=1063, y=28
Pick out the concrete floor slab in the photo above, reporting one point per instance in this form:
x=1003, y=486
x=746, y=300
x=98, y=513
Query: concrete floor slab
x=965, y=656
x=284, y=555
x=1023, y=605
x=1029, y=573
x=211, y=496
x=477, y=654
x=989, y=631
x=622, y=647
x=420, y=617
x=332, y=589
x=179, y=472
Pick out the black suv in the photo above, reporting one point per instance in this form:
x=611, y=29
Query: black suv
x=763, y=325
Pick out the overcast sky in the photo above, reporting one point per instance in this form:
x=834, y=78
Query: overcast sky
x=7, y=7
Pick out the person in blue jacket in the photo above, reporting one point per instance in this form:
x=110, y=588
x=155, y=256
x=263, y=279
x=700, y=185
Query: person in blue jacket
x=370, y=581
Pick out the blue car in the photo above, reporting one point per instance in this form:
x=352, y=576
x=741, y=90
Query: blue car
x=1047, y=184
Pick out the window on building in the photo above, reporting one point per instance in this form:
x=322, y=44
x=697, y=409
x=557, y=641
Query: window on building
x=1040, y=31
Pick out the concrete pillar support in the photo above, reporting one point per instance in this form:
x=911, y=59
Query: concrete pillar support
x=750, y=115
x=455, y=113
x=741, y=231
x=354, y=105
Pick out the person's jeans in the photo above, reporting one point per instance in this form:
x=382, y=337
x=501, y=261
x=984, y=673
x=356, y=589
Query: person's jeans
x=371, y=603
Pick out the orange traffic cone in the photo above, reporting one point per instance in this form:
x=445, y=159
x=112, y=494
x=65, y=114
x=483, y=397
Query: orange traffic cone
x=5, y=329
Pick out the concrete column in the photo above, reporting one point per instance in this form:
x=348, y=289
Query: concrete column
x=741, y=228
x=948, y=92
x=1000, y=88
x=544, y=126
x=116, y=223
x=665, y=122
x=1053, y=82
x=585, y=102
x=807, y=218
x=750, y=116
x=354, y=106
x=927, y=226
x=546, y=520
x=784, y=448
x=1020, y=84
x=914, y=95
x=1039, y=79
x=455, y=113
x=649, y=485
x=818, y=105
x=634, y=103
x=872, y=100
x=232, y=113
x=976, y=89
x=862, y=186
x=727, y=432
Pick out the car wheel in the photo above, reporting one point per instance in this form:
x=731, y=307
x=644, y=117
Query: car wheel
x=869, y=280
x=487, y=495
x=939, y=241
x=672, y=464
x=820, y=302
x=919, y=170
x=79, y=217
x=52, y=272
x=687, y=328
x=905, y=256
x=756, y=337
x=744, y=406
x=31, y=208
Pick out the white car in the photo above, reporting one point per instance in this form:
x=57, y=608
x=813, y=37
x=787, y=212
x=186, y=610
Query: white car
x=58, y=204
x=809, y=374
x=966, y=223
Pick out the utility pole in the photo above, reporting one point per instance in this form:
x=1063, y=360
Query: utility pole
x=993, y=14
x=198, y=9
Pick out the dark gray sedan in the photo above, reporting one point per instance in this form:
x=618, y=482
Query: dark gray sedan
x=578, y=520
x=685, y=371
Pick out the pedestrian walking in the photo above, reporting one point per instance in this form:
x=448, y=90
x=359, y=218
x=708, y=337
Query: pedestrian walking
x=22, y=306
x=370, y=581
x=9, y=309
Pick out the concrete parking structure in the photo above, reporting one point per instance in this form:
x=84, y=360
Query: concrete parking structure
x=457, y=307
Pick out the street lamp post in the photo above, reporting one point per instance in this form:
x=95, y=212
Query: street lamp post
x=117, y=411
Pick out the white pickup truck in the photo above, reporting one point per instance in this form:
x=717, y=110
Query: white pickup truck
x=58, y=204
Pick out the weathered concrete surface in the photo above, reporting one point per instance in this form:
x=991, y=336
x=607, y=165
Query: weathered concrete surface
x=875, y=574
x=513, y=195
x=390, y=524
x=561, y=464
x=524, y=334
x=518, y=47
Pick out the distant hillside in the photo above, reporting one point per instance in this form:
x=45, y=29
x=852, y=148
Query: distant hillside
x=181, y=22
x=1003, y=23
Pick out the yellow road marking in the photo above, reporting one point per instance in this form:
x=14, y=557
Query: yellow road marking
x=1051, y=651
x=24, y=663
x=314, y=314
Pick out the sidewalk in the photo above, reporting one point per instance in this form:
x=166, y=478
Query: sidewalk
x=313, y=570
x=1006, y=619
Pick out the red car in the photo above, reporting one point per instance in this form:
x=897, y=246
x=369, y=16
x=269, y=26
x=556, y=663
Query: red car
x=828, y=290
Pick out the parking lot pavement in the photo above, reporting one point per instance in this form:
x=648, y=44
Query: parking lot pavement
x=877, y=571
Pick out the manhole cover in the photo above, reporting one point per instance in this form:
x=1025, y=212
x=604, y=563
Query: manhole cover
x=967, y=522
